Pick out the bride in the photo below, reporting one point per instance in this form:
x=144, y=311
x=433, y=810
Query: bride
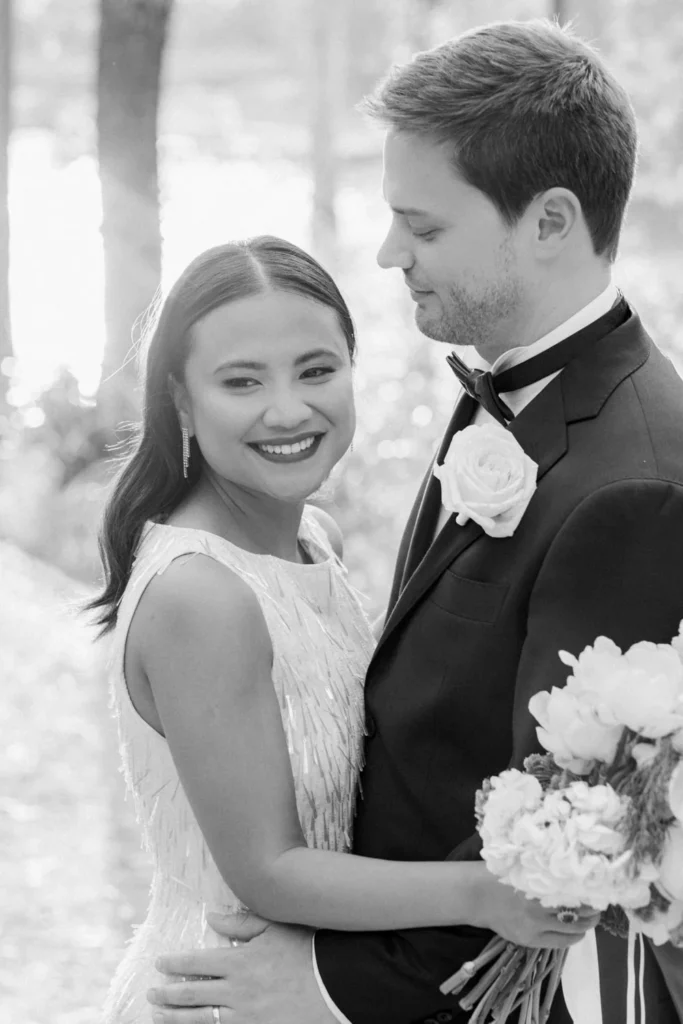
x=238, y=647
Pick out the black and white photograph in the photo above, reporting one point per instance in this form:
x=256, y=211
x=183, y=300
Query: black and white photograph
x=341, y=512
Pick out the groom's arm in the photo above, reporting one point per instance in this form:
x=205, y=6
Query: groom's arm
x=615, y=569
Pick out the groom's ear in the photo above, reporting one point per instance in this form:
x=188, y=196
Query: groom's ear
x=557, y=218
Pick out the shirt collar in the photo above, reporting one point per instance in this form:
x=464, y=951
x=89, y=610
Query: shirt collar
x=593, y=311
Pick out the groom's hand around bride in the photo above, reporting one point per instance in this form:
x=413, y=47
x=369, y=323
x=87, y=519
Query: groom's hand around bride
x=268, y=981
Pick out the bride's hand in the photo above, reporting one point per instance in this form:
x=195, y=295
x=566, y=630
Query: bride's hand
x=514, y=917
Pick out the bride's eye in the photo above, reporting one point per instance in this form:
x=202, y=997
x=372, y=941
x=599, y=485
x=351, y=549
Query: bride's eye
x=316, y=372
x=238, y=383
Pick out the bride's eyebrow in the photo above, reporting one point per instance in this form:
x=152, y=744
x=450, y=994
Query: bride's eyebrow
x=247, y=364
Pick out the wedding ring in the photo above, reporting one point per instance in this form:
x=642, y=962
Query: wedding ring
x=216, y=1011
x=567, y=916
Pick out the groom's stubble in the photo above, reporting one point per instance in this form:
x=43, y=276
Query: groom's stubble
x=479, y=313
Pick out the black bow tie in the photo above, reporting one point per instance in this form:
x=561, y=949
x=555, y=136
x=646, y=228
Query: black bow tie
x=486, y=387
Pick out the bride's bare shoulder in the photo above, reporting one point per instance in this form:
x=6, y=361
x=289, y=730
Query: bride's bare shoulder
x=197, y=600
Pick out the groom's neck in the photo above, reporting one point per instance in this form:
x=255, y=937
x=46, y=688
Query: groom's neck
x=546, y=308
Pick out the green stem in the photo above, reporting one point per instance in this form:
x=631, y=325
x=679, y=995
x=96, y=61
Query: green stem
x=506, y=979
x=553, y=983
x=494, y=972
x=510, y=1000
x=470, y=968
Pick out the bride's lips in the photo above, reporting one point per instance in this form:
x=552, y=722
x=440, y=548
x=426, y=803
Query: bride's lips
x=279, y=442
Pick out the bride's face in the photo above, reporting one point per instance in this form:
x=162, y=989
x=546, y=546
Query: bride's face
x=268, y=393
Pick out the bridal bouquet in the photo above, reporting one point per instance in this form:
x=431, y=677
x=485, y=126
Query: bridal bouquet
x=596, y=821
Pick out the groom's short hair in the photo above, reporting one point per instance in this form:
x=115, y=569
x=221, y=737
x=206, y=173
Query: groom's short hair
x=525, y=106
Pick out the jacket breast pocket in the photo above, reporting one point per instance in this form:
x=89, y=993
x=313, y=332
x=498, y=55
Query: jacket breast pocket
x=468, y=599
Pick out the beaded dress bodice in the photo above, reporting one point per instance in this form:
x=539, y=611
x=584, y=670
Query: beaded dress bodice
x=322, y=645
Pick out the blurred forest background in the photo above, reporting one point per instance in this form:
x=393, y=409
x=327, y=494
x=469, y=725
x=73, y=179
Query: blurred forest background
x=133, y=134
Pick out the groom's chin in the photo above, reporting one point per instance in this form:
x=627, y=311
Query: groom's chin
x=432, y=327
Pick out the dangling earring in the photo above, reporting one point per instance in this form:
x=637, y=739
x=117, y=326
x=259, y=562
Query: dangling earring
x=186, y=450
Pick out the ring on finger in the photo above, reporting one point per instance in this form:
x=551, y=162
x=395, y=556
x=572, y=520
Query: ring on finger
x=567, y=916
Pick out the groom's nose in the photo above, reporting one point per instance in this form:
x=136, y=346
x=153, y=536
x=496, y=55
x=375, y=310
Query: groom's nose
x=394, y=252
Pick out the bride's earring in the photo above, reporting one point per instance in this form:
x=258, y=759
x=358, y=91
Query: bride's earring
x=186, y=450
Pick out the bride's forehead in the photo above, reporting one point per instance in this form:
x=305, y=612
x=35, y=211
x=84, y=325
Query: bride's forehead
x=266, y=313
x=266, y=332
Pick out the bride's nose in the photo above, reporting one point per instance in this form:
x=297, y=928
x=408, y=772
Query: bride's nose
x=286, y=410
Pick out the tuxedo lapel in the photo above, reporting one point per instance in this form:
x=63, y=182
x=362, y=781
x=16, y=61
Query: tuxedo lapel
x=541, y=430
x=428, y=503
x=579, y=392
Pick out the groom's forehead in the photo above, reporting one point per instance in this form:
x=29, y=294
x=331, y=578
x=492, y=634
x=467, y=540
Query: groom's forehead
x=415, y=199
x=418, y=175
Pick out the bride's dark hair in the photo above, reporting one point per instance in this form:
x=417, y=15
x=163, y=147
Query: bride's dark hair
x=150, y=483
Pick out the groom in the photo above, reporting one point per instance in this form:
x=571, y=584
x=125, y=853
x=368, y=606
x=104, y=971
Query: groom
x=509, y=160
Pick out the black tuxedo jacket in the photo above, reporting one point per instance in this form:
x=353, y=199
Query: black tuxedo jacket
x=474, y=628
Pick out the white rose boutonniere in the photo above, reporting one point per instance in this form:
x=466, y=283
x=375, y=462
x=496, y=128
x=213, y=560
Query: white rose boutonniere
x=488, y=477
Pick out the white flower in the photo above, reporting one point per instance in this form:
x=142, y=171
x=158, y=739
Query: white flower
x=572, y=731
x=641, y=689
x=675, y=792
x=570, y=850
x=677, y=642
x=643, y=753
x=511, y=793
x=487, y=476
x=662, y=924
x=671, y=866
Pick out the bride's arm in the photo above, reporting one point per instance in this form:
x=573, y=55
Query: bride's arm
x=207, y=655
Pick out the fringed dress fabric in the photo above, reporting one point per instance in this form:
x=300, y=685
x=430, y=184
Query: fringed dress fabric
x=322, y=645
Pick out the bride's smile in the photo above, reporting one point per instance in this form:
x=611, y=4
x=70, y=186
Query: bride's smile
x=289, y=449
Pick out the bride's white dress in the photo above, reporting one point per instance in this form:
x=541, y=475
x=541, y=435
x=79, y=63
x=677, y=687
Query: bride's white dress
x=321, y=647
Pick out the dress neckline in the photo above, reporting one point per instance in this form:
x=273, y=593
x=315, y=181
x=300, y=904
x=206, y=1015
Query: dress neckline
x=320, y=557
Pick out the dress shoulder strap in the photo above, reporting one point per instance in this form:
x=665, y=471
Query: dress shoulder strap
x=316, y=535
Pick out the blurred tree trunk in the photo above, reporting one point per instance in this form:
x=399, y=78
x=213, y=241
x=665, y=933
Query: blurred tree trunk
x=131, y=47
x=328, y=62
x=419, y=34
x=413, y=28
x=5, y=131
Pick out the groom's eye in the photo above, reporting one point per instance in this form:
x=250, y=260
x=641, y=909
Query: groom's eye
x=426, y=235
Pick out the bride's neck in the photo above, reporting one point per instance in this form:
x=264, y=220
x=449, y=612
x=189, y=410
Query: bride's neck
x=255, y=522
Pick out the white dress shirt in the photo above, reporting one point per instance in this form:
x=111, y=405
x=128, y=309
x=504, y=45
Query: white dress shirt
x=517, y=400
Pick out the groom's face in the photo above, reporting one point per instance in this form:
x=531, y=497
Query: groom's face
x=459, y=258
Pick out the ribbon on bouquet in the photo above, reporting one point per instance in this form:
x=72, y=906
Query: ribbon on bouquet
x=631, y=986
x=581, y=980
